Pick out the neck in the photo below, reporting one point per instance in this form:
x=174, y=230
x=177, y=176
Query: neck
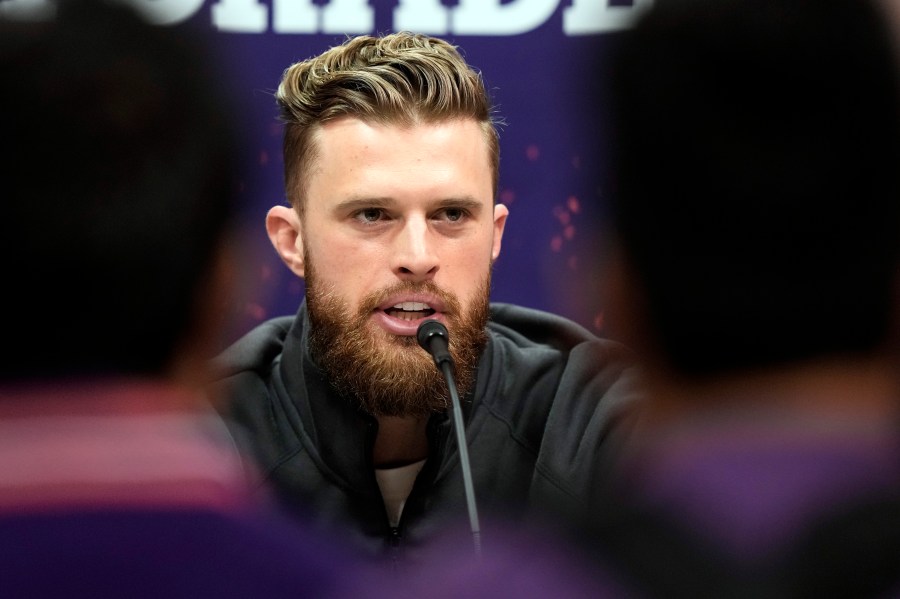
x=400, y=441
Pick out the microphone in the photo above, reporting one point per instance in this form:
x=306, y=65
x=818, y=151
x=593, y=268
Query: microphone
x=434, y=338
x=432, y=335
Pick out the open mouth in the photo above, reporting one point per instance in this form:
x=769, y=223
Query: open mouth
x=410, y=310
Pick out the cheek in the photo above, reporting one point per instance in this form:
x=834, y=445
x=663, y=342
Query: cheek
x=476, y=255
x=349, y=269
x=466, y=270
x=335, y=253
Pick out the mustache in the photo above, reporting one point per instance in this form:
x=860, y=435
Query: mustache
x=376, y=298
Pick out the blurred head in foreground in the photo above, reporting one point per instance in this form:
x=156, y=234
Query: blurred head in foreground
x=756, y=202
x=755, y=269
x=118, y=188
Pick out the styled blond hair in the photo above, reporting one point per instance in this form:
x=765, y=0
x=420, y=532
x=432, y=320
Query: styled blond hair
x=402, y=78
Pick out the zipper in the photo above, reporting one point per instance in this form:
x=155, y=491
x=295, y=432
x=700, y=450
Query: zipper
x=394, y=541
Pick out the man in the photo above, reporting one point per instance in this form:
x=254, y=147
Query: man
x=756, y=211
x=391, y=166
x=117, y=478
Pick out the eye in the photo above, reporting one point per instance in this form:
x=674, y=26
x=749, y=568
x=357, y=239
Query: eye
x=454, y=214
x=369, y=215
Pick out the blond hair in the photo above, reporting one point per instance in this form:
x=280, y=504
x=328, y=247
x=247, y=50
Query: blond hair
x=401, y=78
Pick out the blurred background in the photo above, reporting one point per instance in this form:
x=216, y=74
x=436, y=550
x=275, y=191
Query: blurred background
x=538, y=59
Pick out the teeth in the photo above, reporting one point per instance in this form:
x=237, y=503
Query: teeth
x=412, y=306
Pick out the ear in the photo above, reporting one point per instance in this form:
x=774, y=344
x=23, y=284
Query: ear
x=217, y=294
x=500, y=214
x=283, y=227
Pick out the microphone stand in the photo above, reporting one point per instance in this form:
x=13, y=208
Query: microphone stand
x=433, y=337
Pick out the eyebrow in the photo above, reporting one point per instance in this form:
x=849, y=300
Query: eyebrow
x=361, y=203
x=466, y=202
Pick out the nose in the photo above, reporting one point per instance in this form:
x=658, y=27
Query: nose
x=415, y=258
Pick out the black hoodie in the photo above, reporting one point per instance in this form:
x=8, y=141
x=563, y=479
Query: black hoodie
x=541, y=423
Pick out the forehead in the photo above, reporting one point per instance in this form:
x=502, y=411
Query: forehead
x=355, y=157
x=354, y=133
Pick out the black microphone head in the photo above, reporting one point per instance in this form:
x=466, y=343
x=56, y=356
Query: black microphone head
x=429, y=329
x=434, y=338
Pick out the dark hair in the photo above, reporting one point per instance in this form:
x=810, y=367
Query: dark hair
x=117, y=189
x=755, y=160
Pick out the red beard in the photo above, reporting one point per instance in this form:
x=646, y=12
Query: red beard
x=390, y=375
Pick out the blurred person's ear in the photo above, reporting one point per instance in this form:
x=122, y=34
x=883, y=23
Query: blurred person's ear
x=626, y=316
x=283, y=227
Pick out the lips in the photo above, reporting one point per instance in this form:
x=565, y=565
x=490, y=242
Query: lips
x=402, y=312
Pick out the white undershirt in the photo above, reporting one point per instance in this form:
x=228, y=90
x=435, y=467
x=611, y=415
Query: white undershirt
x=396, y=485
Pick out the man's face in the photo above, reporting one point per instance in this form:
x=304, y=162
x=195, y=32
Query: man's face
x=399, y=225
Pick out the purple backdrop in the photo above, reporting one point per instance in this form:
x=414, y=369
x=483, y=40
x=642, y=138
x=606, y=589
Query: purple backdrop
x=536, y=57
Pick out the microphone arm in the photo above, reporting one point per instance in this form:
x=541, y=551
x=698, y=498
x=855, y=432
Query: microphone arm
x=434, y=338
